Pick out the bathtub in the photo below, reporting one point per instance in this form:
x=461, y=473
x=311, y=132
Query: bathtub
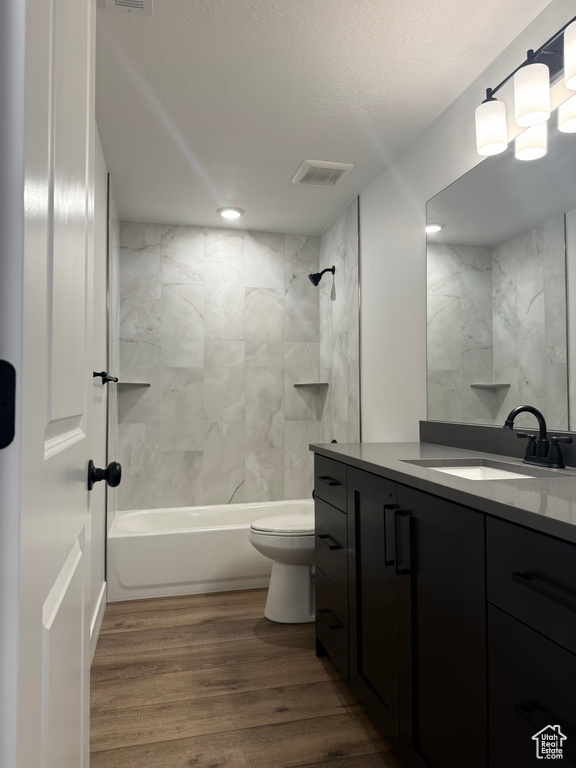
x=188, y=550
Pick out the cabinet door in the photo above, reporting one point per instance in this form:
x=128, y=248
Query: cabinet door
x=442, y=633
x=373, y=596
x=532, y=692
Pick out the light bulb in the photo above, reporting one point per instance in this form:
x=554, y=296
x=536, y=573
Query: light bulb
x=532, y=95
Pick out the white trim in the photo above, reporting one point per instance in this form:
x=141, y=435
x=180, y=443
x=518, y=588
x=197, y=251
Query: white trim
x=96, y=624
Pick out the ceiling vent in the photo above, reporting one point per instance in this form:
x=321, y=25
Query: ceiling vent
x=139, y=7
x=316, y=173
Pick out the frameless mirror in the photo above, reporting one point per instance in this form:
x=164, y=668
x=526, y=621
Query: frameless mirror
x=498, y=276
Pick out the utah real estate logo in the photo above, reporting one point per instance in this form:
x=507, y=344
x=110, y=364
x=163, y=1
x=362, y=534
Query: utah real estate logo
x=549, y=743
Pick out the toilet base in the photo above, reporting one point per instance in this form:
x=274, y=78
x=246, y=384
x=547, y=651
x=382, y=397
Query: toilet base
x=291, y=594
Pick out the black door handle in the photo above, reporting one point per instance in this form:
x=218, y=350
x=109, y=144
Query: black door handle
x=329, y=480
x=390, y=533
x=104, y=376
x=112, y=474
x=403, y=542
x=328, y=618
x=551, y=592
x=329, y=541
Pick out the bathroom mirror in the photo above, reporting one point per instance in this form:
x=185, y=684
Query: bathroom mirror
x=499, y=273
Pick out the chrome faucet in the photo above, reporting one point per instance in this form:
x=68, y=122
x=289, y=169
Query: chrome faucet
x=539, y=450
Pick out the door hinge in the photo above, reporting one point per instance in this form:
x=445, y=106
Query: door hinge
x=7, y=402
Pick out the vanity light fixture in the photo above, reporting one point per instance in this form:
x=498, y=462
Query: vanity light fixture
x=230, y=213
x=531, y=97
x=431, y=228
x=532, y=143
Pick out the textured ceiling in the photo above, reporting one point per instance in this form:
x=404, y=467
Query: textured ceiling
x=217, y=102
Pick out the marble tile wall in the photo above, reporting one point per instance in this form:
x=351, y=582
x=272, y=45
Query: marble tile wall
x=459, y=333
x=221, y=324
x=498, y=315
x=530, y=336
x=339, y=331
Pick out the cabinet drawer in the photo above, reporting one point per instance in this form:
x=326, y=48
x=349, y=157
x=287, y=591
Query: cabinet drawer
x=332, y=544
x=330, y=481
x=332, y=621
x=533, y=577
x=532, y=684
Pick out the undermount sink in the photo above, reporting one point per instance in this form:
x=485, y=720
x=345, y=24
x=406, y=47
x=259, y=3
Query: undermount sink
x=482, y=473
x=480, y=469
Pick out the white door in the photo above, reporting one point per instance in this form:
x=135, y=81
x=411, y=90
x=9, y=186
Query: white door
x=43, y=486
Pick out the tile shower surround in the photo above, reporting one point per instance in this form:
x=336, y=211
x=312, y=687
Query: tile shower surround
x=222, y=323
x=498, y=314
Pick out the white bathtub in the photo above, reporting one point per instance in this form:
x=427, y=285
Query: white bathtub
x=187, y=550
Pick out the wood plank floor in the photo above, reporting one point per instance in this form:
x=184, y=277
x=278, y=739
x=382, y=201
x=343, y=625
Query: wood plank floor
x=205, y=681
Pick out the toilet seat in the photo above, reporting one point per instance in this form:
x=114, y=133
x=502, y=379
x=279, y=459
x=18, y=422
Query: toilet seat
x=285, y=525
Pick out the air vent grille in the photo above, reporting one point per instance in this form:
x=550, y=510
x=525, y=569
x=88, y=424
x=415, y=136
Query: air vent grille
x=141, y=7
x=317, y=173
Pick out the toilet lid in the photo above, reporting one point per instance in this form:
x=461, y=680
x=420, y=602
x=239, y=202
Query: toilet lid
x=297, y=525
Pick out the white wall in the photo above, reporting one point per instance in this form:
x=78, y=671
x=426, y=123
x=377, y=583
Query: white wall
x=393, y=242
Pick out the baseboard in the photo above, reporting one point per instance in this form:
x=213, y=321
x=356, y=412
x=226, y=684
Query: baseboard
x=97, y=620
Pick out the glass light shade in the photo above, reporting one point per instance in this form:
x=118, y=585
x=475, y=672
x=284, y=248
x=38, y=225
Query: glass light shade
x=532, y=143
x=491, y=132
x=567, y=116
x=532, y=95
x=570, y=56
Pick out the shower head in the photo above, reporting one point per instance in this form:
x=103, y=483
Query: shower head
x=315, y=277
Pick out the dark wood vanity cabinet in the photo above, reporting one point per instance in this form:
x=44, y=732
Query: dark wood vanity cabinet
x=417, y=621
x=331, y=558
x=531, y=642
x=457, y=630
x=442, y=597
x=373, y=595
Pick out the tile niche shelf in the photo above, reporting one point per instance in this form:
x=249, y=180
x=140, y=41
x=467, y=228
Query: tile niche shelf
x=133, y=384
x=312, y=384
x=493, y=387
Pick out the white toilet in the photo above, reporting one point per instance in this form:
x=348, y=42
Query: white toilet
x=288, y=540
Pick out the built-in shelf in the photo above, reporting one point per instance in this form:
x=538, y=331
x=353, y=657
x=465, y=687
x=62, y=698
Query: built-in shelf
x=490, y=386
x=133, y=384
x=313, y=384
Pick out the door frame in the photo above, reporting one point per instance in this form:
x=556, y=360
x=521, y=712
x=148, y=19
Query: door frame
x=12, y=79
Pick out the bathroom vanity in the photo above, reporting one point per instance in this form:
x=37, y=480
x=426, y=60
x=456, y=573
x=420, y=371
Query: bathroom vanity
x=450, y=603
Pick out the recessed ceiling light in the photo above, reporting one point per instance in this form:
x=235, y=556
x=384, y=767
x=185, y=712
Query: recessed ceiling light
x=430, y=228
x=230, y=213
